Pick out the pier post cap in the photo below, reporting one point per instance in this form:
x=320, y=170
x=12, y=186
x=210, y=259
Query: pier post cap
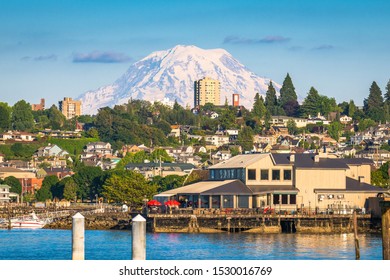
x=138, y=218
x=78, y=216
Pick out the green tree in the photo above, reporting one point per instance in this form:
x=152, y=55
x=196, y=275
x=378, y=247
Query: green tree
x=48, y=183
x=16, y=186
x=162, y=154
x=245, y=138
x=125, y=186
x=258, y=110
x=334, y=130
x=387, y=94
x=87, y=179
x=288, y=99
x=351, y=109
x=366, y=123
x=43, y=193
x=70, y=189
x=271, y=102
x=292, y=127
x=168, y=182
x=380, y=177
x=22, y=118
x=227, y=118
x=56, y=118
x=373, y=104
x=312, y=103
x=5, y=117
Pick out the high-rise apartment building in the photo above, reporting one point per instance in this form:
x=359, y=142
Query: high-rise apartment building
x=206, y=90
x=70, y=108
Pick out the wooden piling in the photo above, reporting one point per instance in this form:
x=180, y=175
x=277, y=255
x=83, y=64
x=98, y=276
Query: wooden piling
x=355, y=230
x=78, y=240
x=138, y=233
x=385, y=206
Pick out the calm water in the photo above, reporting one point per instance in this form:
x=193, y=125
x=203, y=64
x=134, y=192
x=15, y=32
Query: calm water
x=46, y=244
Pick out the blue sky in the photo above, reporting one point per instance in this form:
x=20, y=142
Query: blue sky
x=54, y=49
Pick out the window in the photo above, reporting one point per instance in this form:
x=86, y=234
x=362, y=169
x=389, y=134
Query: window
x=264, y=174
x=276, y=199
x=251, y=174
x=243, y=201
x=287, y=175
x=284, y=198
x=275, y=175
x=293, y=199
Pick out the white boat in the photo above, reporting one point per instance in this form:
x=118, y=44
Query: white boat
x=31, y=221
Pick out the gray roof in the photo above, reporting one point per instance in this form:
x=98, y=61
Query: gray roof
x=307, y=161
x=228, y=187
x=357, y=161
x=164, y=165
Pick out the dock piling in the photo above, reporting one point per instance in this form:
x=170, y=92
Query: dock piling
x=355, y=230
x=138, y=233
x=78, y=239
x=385, y=206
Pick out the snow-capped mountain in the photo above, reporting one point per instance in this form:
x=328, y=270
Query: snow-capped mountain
x=170, y=74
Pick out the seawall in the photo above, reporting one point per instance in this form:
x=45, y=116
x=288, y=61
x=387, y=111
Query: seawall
x=260, y=224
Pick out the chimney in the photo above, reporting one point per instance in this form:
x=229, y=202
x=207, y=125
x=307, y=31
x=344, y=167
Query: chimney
x=292, y=158
x=316, y=158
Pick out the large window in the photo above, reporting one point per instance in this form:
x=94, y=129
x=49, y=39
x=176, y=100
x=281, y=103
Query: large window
x=284, y=198
x=293, y=199
x=264, y=174
x=276, y=199
x=275, y=175
x=243, y=201
x=216, y=201
x=251, y=174
x=227, y=201
x=287, y=175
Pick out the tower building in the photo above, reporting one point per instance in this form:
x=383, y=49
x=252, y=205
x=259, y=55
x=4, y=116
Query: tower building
x=206, y=90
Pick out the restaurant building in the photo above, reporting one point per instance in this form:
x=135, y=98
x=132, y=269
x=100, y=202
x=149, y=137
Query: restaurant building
x=282, y=182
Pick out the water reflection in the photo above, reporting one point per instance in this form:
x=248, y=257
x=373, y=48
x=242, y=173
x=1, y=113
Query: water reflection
x=116, y=245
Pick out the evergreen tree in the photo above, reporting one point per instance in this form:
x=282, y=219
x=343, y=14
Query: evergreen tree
x=271, y=101
x=258, y=110
x=5, y=117
x=245, y=138
x=312, y=103
x=288, y=98
x=351, y=108
x=22, y=117
x=387, y=94
x=56, y=118
x=373, y=105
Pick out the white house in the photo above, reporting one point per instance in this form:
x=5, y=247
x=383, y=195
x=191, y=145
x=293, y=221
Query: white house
x=4, y=193
x=217, y=140
x=345, y=119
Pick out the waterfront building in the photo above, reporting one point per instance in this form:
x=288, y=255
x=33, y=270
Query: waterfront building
x=284, y=182
x=27, y=179
x=4, y=194
x=206, y=90
x=70, y=108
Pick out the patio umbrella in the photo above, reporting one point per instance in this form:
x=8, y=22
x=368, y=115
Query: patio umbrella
x=172, y=203
x=154, y=203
